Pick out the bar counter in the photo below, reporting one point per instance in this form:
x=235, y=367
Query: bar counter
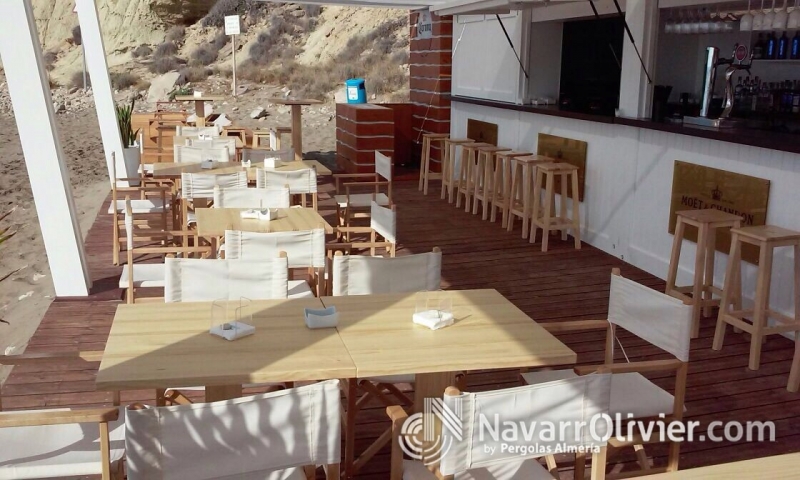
x=785, y=142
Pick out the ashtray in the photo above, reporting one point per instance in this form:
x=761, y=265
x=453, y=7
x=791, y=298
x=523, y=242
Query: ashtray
x=272, y=162
x=321, y=318
x=207, y=164
x=232, y=330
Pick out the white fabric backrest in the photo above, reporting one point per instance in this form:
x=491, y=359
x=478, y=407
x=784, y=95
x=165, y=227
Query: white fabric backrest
x=384, y=221
x=240, y=438
x=251, y=197
x=383, y=165
x=259, y=154
x=560, y=404
x=201, y=185
x=203, y=280
x=299, y=181
x=664, y=321
x=183, y=131
x=215, y=143
x=129, y=223
x=305, y=248
x=363, y=275
x=193, y=154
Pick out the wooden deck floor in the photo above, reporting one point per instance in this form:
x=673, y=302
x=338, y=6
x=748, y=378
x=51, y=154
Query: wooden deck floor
x=562, y=284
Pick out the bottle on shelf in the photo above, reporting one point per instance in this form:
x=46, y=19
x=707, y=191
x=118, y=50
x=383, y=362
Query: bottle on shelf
x=795, y=49
x=783, y=47
x=771, y=50
x=758, y=48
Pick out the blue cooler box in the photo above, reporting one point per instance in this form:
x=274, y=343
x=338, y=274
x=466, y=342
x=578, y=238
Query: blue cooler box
x=356, y=90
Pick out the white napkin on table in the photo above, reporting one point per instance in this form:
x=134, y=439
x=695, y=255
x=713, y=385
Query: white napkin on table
x=433, y=319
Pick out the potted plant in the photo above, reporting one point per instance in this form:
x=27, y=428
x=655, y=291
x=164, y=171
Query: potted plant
x=130, y=148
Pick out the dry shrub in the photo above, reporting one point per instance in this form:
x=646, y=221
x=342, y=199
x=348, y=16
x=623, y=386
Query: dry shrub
x=193, y=75
x=312, y=10
x=123, y=80
x=252, y=8
x=166, y=49
x=175, y=34
x=76, y=35
x=220, y=40
x=205, y=55
x=142, y=51
x=165, y=64
x=142, y=85
x=76, y=80
x=400, y=57
x=49, y=59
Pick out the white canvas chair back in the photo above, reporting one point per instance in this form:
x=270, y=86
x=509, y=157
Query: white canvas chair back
x=363, y=275
x=197, y=154
x=258, y=155
x=240, y=438
x=305, y=248
x=299, y=181
x=664, y=321
x=215, y=143
x=184, y=131
x=251, y=197
x=203, y=280
x=562, y=403
x=384, y=221
x=383, y=166
x=201, y=185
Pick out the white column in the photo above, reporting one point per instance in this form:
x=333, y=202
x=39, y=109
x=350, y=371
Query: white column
x=635, y=92
x=101, y=84
x=33, y=109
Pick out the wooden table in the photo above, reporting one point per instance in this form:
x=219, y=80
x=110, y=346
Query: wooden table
x=778, y=467
x=199, y=105
x=172, y=170
x=490, y=332
x=297, y=124
x=212, y=222
x=157, y=345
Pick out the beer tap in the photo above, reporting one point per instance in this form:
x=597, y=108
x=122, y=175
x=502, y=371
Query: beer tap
x=734, y=65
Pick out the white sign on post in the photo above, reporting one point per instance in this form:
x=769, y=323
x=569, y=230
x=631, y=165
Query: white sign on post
x=232, y=28
x=232, y=25
x=424, y=24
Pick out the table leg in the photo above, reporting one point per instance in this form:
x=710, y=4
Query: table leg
x=216, y=393
x=431, y=385
x=297, y=133
x=200, y=111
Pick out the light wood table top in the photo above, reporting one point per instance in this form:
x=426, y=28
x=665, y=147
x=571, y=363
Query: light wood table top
x=489, y=333
x=174, y=170
x=212, y=222
x=294, y=101
x=779, y=467
x=203, y=98
x=157, y=345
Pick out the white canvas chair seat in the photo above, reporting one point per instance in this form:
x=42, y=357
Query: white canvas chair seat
x=150, y=205
x=299, y=289
x=217, y=142
x=55, y=451
x=529, y=469
x=144, y=275
x=191, y=218
x=299, y=181
x=191, y=154
x=199, y=280
x=184, y=131
x=251, y=197
x=362, y=275
x=259, y=155
x=201, y=185
x=262, y=436
x=630, y=392
x=362, y=200
x=305, y=248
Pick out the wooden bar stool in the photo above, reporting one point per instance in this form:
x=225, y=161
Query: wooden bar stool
x=702, y=289
x=546, y=174
x=521, y=193
x=756, y=321
x=425, y=173
x=465, y=185
x=449, y=179
x=484, y=178
x=258, y=135
x=501, y=192
x=278, y=133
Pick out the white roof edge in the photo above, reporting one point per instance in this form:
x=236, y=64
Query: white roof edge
x=401, y=4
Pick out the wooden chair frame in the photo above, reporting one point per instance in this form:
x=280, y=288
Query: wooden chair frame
x=100, y=416
x=374, y=180
x=649, y=366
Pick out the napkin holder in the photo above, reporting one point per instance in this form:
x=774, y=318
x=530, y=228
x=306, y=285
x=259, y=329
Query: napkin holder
x=321, y=318
x=272, y=162
x=207, y=164
x=267, y=214
x=246, y=164
x=197, y=94
x=233, y=330
x=433, y=319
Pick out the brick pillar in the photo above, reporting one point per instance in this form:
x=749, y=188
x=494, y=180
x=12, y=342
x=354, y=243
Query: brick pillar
x=430, y=69
x=361, y=129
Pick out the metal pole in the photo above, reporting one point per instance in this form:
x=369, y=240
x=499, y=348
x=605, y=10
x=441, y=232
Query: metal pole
x=233, y=37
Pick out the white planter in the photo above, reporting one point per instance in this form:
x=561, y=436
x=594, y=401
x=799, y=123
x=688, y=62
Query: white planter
x=133, y=159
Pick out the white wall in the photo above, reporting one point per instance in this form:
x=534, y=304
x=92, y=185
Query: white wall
x=629, y=184
x=484, y=65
